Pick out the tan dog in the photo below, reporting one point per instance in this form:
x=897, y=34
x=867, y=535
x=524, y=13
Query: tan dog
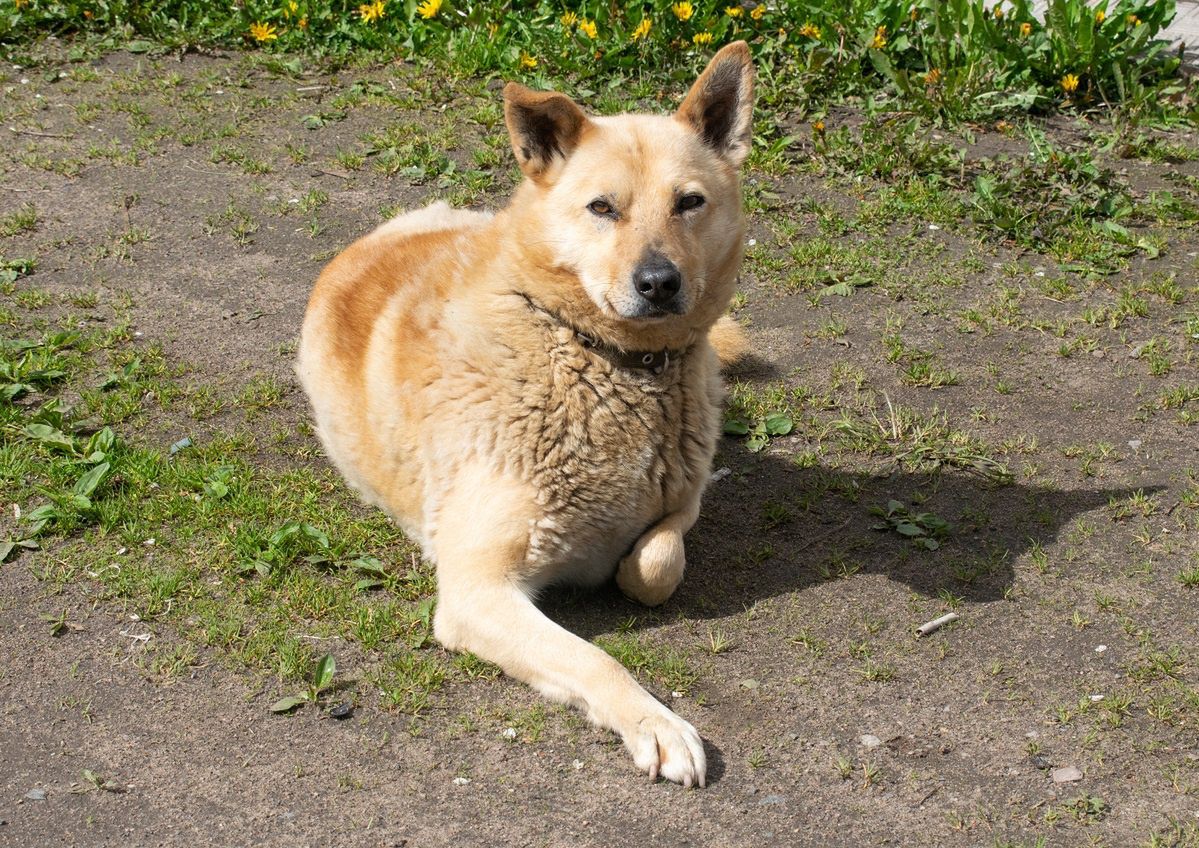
x=534, y=396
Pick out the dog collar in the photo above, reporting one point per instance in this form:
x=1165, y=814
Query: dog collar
x=652, y=361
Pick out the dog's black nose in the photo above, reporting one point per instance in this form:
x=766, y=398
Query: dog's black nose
x=657, y=279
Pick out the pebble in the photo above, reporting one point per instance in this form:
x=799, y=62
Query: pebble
x=770, y=800
x=1066, y=774
x=870, y=741
x=509, y=733
x=461, y=781
x=749, y=683
x=1099, y=649
x=720, y=473
x=36, y=794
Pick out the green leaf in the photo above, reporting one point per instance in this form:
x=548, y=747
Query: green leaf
x=50, y=436
x=325, y=667
x=89, y=481
x=907, y=528
x=288, y=704
x=6, y=548
x=364, y=585
x=779, y=424
x=734, y=426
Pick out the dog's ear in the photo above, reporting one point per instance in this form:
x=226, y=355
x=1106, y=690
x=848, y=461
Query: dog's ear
x=543, y=125
x=720, y=104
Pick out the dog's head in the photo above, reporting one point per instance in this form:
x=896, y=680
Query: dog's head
x=643, y=211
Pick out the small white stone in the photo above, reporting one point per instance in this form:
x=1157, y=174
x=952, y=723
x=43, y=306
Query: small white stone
x=509, y=733
x=576, y=764
x=720, y=473
x=676, y=694
x=1066, y=774
x=1135, y=444
x=933, y=227
x=751, y=242
x=461, y=781
x=1099, y=649
x=1096, y=699
x=149, y=543
x=870, y=741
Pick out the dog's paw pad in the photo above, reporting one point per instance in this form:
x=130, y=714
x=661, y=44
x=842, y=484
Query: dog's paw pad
x=666, y=746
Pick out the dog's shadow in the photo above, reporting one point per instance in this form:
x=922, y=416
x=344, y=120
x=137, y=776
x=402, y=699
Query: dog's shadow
x=769, y=528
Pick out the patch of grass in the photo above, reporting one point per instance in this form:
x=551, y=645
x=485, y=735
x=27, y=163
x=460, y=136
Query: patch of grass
x=23, y=220
x=661, y=664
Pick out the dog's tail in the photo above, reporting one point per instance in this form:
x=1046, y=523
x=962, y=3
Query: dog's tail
x=727, y=337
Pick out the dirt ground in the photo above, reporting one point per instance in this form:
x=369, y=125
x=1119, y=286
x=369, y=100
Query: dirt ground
x=188, y=190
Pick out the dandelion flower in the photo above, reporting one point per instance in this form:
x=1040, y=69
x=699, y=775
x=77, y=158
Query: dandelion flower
x=683, y=11
x=1025, y=29
x=1069, y=83
x=1133, y=20
x=291, y=8
x=998, y=12
x=569, y=19
x=932, y=77
x=880, y=38
x=371, y=12
x=734, y=11
x=701, y=38
x=758, y=12
x=810, y=30
x=913, y=13
x=302, y=23
x=642, y=29
x=429, y=9
x=818, y=127
x=1100, y=16
x=588, y=28
x=261, y=32
x=527, y=62
x=20, y=4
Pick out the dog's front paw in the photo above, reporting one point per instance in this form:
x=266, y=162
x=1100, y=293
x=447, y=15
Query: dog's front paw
x=654, y=569
x=666, y=746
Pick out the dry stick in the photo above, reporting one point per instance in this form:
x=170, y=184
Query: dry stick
x=930, y=627
x=38, y=134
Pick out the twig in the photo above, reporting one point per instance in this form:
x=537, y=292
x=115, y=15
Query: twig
x=38, y=134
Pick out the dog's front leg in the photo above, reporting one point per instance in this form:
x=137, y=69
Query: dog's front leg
x=482, y=608
x=654, y=568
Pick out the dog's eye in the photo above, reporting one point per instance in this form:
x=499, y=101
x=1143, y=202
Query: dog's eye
x=690, y=201
x=601, y=207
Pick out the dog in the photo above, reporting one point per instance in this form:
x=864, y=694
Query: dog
x=534, y=396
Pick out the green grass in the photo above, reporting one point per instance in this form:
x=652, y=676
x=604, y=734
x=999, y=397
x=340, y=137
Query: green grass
x=951, y=60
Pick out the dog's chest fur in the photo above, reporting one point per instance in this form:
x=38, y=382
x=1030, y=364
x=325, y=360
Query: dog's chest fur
x=607, y=450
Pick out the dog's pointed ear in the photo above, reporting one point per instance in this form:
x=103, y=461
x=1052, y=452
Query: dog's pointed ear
x=543, y=126
x=720, y=104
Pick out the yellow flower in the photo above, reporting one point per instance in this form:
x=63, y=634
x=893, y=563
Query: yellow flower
x=880, y=38
x=527, y=62
x=818, y=127
x=932, y=77
x=810, y=30
x=758, y=12
x=1133, y=20
x=492, y=28
x=998, y=11
x=588, y=28
x=290, y=9
x=734, y=11
x=1069, y=83
x=569, y=19
x=261, y=32
x=642, y=29
x=429, y=9
x=913, y=13
x=683, y=11
x=701, y=38
x=302, y=23
x=1100, y=16
x=370, y=12
x=1026, y=29
x=20, y=4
